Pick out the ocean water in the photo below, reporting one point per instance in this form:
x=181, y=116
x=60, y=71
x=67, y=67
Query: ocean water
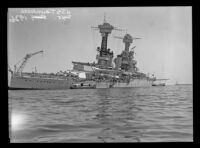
x=155, y=114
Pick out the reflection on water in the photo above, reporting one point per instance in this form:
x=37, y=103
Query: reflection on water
x=102, y=115
x=116, y=117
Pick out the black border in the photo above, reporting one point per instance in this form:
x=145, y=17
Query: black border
x=103, y=3
x=99, y=3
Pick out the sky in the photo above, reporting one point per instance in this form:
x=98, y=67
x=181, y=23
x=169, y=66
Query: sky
x=65, y=35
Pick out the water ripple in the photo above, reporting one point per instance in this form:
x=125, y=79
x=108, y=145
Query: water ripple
x=156, y=114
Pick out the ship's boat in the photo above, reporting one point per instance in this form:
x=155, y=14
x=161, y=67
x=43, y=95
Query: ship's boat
x=82, y=86
x=161, y=84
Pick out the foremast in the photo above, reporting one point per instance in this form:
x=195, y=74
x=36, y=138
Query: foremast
x=105, y=55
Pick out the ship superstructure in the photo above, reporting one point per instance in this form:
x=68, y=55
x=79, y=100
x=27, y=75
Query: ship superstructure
x=124, y=73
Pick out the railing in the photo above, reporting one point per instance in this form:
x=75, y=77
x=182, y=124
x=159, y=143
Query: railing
x=48, y=76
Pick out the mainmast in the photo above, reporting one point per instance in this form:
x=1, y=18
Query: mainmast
x=125, y=60
x=127, y=40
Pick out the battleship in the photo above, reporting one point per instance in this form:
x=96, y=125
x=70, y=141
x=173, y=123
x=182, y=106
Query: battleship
x=105, y=73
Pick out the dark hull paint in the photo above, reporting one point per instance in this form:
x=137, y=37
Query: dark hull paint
x=12, y=88
x=82, y=87
x=158, y=84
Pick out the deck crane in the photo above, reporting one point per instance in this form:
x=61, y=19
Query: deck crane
x=25, y=59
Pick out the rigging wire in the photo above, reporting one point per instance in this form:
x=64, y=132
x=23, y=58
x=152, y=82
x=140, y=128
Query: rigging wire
x=93, y=40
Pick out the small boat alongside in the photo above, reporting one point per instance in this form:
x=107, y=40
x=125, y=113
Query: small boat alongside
x=159, y=82
x=82, y=86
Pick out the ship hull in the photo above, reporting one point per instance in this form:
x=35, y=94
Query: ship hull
x=132, y=83
x=34, y=83
x=103, y=85
x=135, y=83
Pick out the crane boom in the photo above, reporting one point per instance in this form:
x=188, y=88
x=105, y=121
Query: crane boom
x=25, y=59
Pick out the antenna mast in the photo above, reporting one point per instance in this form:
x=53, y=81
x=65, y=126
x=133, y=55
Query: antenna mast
x=104, y=20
